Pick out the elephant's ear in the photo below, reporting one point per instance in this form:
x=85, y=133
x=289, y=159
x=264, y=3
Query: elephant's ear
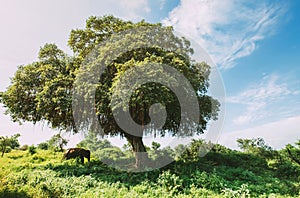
x=67, y=152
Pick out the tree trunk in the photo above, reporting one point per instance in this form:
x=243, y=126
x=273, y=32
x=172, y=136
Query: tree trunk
x=3, y=151
x=139, y=149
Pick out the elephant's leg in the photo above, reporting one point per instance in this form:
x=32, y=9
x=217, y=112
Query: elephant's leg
x=82, y=159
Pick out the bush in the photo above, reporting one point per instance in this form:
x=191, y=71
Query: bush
x=241, y=192
x=210, y=181
x=171, y=182
x=109, y=153
x=8, y=149
x=43, y=146
x=32, y=149
x=24, y=147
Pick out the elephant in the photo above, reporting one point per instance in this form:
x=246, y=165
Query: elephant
x=77, y=152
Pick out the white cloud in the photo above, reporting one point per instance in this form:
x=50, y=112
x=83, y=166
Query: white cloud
x=227, y=29
x=258, y=97
x=276, y=134
x=133, y=9
x=162, y=4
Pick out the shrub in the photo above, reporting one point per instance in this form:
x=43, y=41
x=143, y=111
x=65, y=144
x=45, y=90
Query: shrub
x=24, y=147
x=109, y=153
x=43, y=146
x=32, y=149
x=8, y=149
x=241, y=192
x=171, y=182
x=211, y=181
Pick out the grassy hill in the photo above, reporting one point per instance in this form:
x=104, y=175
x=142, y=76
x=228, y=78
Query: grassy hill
x=218, y=174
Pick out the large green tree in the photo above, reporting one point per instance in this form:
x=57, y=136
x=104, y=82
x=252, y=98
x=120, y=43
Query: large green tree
x=42, y=91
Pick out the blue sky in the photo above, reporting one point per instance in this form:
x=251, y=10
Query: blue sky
x=255, y=45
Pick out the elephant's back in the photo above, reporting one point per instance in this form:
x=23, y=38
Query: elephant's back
x=76, y=151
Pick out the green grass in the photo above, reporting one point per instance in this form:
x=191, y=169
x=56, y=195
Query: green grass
x=215, y=175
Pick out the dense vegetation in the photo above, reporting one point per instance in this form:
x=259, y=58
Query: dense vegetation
x=257, y=171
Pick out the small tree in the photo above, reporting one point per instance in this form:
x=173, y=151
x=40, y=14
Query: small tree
x=155, y=146
x=253, y=145
x=57, y=142
x=3, y=144
x=43, y=146
x=218, y=148
x=93, y=143
x=256, y=146
x=32, y=149
x=127, y=147
x=179, y=150
x=157, y=152
x=8, y=143
x=14, y=142
x=109, y=154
